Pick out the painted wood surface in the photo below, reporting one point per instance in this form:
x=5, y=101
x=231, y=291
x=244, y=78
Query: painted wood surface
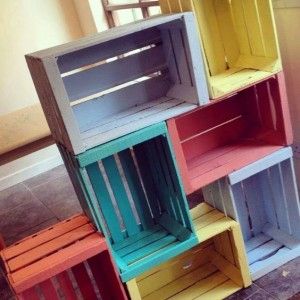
x=215, y=269
x=266, y=204
x=135, y=195
x=238, y=39
x=213, y=141
x=100, y=88
x=59, y=260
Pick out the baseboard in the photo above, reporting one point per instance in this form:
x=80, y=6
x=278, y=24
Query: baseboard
x=29, y=166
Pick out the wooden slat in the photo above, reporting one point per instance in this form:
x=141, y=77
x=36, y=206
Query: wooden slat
x=84, y=281
x=104, y=201
x=50, y=247
x=58, y=262
x=149, y=249
x=242, y=210
x=66, y=286
x=101, y=52
x=29, y=294
x=105, y=76
x=256, y=211
x=48, y=290
x=136, y=188
x=44, y=236
x=120, y=195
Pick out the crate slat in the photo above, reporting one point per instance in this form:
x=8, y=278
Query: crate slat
x=103, y=87
x=239, y=41
x=213, y=141
x=266, y=204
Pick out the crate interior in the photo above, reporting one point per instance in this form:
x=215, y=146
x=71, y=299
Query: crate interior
x=62, y=261
x=196, y=274
x=239, y=41
x=142, y=205
x=268, y=211
x=231, y=133
x=131, y=81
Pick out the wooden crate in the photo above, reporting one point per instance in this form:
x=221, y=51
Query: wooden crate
x=213, y=141
x=215, y=269
x=132, y=186
x=239, y=41
x=105, y=86
x=266, y=204
x=63, y=262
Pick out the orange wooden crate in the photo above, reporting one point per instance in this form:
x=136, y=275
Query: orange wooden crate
x=67, y=261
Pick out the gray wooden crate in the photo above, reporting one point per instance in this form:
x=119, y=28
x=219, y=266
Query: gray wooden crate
x=105, y=86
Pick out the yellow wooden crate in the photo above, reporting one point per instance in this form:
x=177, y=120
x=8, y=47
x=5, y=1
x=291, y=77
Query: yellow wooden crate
x=239, y=41
x=214, y=269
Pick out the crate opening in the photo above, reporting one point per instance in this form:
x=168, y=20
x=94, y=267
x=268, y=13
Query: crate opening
x=239, y=41
x=229, y=134
x=129, y=82
x=268, y=212
x=199, y=272
x=144, y=212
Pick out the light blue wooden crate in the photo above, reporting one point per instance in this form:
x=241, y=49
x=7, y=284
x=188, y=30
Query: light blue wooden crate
x=135, y=197
x=263, y=198
x=107, y=85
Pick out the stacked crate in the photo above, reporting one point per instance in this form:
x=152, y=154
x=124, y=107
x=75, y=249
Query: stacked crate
x=118, y=103
x=235, y=148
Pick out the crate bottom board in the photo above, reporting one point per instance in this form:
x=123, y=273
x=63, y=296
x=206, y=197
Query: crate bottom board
x=133, y=119
x=266, y=254
x=148, y=248
x=235, y=79
x=204, y=282
x=217, y=163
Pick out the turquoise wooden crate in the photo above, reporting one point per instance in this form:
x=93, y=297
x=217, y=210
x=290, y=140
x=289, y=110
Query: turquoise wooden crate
x=263, y=198
x=136, y=197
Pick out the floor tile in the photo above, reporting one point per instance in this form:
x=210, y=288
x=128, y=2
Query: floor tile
x=261, y=295
x=5, y=292
x=31, y=231
x=23, y=217
x=284, y=282
x=46, y=177
x=14, y=196
x=59, y=196
x=244, y=293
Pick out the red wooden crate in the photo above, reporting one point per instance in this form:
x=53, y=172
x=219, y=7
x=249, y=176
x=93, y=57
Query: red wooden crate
x=216, y=139
x=67, y=261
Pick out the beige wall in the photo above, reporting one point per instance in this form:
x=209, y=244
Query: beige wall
x=27, y=26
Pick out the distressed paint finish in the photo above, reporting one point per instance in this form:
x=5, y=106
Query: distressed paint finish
x=213, y=141
x=215, y=269
x=135, y=196
x=264, y=200
x=105, y=86
x=238, y=39
x=35, y=263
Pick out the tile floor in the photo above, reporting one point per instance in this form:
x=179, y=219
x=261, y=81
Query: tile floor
x=47, y=198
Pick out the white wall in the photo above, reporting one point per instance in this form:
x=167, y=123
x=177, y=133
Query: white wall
x=27, y=26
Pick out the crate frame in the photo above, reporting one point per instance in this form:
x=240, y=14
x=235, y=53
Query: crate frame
x=67, y=247
x=221, y=246
x=269, y=216
x=231, y=133
x=90, y=96
x=234, y=58
x=164, y=223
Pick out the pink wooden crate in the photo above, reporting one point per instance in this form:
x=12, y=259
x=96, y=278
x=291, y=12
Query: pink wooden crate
x=213, y=141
